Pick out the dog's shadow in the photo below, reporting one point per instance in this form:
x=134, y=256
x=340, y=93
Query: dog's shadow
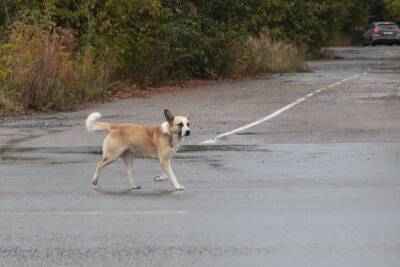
x=139, y=192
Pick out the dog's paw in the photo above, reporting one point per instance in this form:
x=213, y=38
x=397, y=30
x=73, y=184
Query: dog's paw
x=160, y=178
x=179, y=188
x=135, y=187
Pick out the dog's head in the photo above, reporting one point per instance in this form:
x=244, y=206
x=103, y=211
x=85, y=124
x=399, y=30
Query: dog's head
x=178, y=125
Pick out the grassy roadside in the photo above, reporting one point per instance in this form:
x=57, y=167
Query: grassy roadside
x=52, y=73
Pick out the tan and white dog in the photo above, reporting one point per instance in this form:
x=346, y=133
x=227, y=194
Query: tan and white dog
x=128, y=141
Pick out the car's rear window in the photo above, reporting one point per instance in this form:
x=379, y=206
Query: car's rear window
x=387, y=26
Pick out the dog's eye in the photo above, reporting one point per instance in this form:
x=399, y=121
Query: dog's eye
x=188, y=124
x=180, y=124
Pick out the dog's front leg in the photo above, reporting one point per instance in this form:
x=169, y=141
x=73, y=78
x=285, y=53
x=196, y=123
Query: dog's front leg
x=160, y=178
x=166, y=165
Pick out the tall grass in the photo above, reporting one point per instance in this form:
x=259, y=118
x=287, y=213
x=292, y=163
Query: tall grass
x=265, y=55
x=41, y=68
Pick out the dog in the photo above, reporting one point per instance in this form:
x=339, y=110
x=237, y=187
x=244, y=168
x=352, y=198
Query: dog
x=128, y=141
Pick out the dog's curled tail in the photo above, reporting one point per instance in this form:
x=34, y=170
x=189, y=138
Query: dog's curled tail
x=93, y=125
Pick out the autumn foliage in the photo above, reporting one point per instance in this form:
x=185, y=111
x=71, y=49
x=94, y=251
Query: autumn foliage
x=57, y=53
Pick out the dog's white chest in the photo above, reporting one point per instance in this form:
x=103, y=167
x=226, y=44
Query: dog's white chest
x=175, y=143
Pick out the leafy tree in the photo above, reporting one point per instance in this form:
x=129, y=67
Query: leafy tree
x=393, y=8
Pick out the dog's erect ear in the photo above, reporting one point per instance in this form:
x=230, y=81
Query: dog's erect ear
x=189, y=117
x=168, y=115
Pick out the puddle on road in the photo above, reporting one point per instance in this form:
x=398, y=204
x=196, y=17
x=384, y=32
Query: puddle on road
x=381, y=96
x=222, y=148
x=16, y=158
x=67, y=155
x=248, y=133
x=10, y=144
x=387, y=97
x=97, y=150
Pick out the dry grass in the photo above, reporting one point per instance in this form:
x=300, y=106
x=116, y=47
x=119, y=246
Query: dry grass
x=265, y=55
x=41, y=68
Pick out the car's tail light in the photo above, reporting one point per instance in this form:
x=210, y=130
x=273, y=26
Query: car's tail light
x=375, y=30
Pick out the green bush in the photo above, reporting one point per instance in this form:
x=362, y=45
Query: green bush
x=76, y=48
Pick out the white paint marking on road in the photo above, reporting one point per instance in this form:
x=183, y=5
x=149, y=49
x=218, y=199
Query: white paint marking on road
x=310, y=95
x=68, y=213
x=278, y=112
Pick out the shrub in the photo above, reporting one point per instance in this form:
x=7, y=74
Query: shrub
x=42, y=69
x=71, y=55
x=267, y=56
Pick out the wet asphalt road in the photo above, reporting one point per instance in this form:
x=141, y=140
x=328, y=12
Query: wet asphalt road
x=318, y=185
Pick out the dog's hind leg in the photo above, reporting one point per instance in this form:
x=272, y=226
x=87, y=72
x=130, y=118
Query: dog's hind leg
x=166, y=165
x=111, y=152
x=127, y=157
x=104, y=162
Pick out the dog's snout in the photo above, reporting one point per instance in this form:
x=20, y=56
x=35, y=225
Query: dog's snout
x=187, y=133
